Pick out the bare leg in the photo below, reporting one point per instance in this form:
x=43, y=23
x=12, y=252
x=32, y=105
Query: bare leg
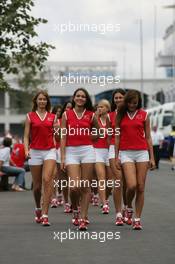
x=36, y=172
x=74, y=174
x=86, y=176
x=101, y=175
x=56, y=178
x=109, y=176
x=94, y=177
x=117, y=189
x=124, y=190
x=48, y=174
x=129, y=169
x=65, y=189
x=142, y=168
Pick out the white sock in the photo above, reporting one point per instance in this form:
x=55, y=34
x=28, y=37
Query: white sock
x=38, y=209
x=119, y=214
x=137, y=219
x=44, y=215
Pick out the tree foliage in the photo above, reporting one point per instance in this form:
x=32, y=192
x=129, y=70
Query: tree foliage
x=19, y=53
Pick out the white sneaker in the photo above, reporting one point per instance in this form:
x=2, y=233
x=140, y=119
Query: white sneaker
x=13, y=187
x=18, y=189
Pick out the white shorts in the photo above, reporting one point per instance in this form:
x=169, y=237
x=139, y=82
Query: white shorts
x=111, y=154
x=101, y=155
x=58, y=156
x=134, y=156
x=39, y=156
x=80, y=154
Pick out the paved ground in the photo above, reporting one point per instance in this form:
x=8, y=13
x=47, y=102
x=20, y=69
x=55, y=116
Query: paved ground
x=23, y=241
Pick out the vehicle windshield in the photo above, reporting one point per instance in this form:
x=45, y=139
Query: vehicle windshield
x=167, y=120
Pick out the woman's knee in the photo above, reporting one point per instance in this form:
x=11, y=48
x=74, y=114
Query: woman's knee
x=140, y=188
x=85, y=190
x=74, y=190
x=36, y=188
x=131, y=188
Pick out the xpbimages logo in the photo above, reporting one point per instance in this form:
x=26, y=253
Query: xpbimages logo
x=100, y=184
x=75, y=78
x=101, y=237
x=86, y=27
x=79, y=131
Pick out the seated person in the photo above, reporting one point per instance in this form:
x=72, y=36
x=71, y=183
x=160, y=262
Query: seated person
x=5, y=167
x=17, y=156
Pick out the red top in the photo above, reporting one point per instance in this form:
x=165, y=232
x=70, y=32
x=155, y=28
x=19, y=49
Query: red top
x=112, y=117
x=18, y=155
x=132, y=133
x=102, y=141
x=41, y=131
x=78, y=128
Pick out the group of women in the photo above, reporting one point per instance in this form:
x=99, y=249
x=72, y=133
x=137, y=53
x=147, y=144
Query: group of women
x=121, y=154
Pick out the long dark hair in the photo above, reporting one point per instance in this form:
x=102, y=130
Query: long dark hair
x=88, y=104
x=55, y=108
x=64, y=107
x=113, y=105
x=123, y=108
x=43, y=92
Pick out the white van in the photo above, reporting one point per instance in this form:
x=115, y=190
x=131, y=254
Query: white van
x=163, y=117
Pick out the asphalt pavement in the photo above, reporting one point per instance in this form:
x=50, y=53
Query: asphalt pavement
x=23, y=241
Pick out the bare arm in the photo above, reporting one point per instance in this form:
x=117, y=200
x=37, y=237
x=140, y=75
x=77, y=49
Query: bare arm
x=149, y=142
x=109, y=125
x=63, y=137
x=117, y=143
x=95, y=124
x=117, y=138
x=26, y=137
x=56, y=128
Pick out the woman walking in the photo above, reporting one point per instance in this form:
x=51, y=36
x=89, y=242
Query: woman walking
x=41, y=152
x=77, y=153
x=117, y=99
x=136, y=152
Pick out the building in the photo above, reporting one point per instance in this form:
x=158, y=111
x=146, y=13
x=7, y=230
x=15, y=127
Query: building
x=62, y=79
x=166, y=59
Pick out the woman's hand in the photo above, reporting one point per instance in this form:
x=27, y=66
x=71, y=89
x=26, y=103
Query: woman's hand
x=63, y=165
x=152, y=164
x=118, y=163
x=27, y=154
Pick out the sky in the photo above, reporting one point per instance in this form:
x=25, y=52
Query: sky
x=121, y=46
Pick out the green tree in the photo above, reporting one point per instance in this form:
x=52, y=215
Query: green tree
x=19, y=54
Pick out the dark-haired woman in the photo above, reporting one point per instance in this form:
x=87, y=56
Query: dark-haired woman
x=136, y=152
x=57, y=199
x=77, y=153
x=66, y=106
x=40, y=149
x=62, y=175
x=117, y=99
